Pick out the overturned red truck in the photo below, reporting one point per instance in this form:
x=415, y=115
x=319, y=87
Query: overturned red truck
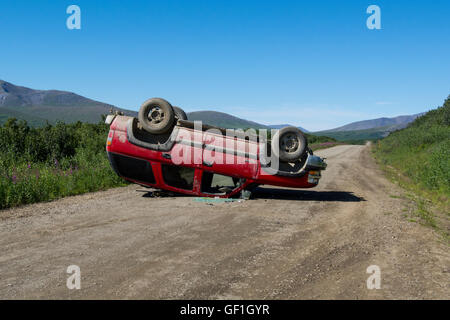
x=163, y=150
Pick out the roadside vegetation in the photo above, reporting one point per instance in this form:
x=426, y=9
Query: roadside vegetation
x=313, y=139
x=50, y=162
x=418, y=158
x=321, y=142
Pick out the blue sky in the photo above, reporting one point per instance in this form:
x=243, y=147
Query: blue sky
x=309, y=63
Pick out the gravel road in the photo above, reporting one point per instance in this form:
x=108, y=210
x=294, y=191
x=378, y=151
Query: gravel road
x=285, y=244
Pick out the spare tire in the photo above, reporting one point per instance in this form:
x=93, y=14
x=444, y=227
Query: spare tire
x=289, y=144
x=156, y=116
x=179, y=113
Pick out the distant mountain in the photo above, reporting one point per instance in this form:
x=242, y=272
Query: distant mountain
x=37, y=106
x=224, y=120
x=279, y=126
x=396, y=123
x=369, y=129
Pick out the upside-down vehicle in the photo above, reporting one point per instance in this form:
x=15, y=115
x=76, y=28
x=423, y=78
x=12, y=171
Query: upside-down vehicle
x=163, y=150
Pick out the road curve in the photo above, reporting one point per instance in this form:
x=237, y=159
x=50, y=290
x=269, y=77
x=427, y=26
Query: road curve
x=285, y=244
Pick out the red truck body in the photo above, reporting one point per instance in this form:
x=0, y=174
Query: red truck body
x=168, y=169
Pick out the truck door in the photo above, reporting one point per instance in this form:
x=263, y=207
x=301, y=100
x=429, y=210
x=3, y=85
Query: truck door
x=229, y=155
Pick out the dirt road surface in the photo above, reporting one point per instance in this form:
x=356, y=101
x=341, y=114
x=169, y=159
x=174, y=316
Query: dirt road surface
x=285, y=244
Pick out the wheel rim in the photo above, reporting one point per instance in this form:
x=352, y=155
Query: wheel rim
x=156, y=115
x=289, y=143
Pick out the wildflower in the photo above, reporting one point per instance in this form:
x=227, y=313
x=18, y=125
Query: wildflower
x=14, y=179
x=29, y=166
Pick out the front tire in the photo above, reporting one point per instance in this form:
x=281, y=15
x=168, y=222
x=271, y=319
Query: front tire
x=289, y=144
x=156, y=116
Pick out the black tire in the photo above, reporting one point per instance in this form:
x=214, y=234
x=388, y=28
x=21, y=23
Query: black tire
x=289, y=144
x=156, y=116
x=179, y=113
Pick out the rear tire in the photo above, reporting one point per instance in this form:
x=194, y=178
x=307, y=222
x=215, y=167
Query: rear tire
x=289, y=144
x=156, y=116
x=179, y=113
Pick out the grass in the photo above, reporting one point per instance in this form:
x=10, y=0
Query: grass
x=425, y=214
x=44, y=164
x=428, y=210
x=418, y=159
x=38, y=182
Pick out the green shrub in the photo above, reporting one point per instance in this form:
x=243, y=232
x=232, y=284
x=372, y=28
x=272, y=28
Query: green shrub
x=43, y=164
x=422, y=151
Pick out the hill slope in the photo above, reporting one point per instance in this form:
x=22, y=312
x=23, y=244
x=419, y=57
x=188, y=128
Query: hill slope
x=421, y=153
x=37, y=106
